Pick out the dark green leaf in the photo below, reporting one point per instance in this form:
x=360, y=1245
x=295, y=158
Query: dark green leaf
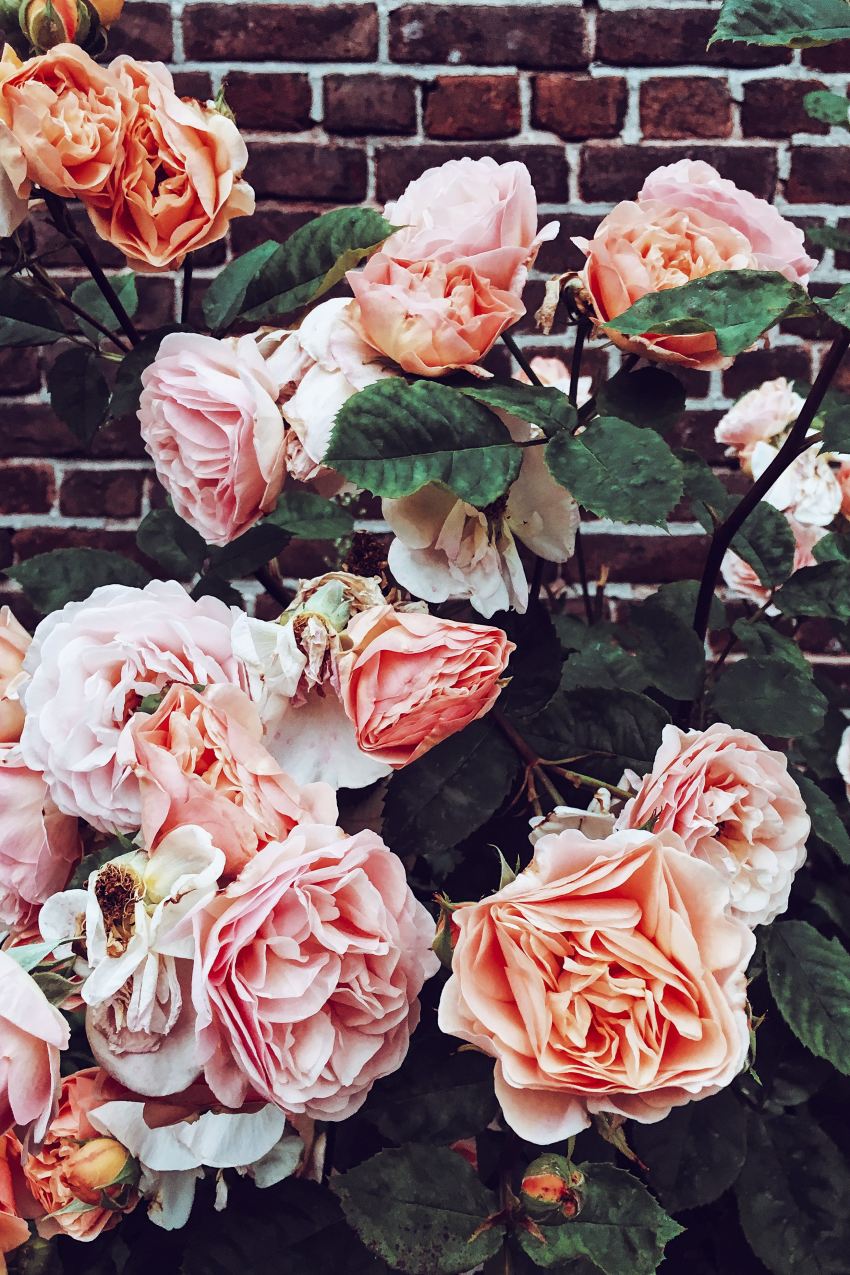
x=737, y=305
x=392, y=438
x=171, y=542
x=760, y=640
x=25, y=317
x=822, y=590
x=680, y=598
x=709, y=499
x=69, y=575
x=649, y=397
x=769, y=696
x=830, y=237
x=89, y=296
x=810, y=981
x=798, y=23
x=836, y=430
x=826, y=821
x=250, y=551
x=434, y=1098
x=79, y=394
x=128, y=382
x=94, y=862
x=617, y=470
x=617, y=724
x=535, y=665
x=226, y=294
x=837, y=306
x=211, y=585
x=766, y=543
x=418, y=1208
x=547, y=407
x=695, y=1153
x=310, y=517
x=601, y=662
x=313, y=260
x=670, y=652
x=830, y=108
x=832, y=548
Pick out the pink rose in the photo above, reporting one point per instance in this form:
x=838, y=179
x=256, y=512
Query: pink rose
x=199, y=760
x=608, y=977
x=731, y=800
x=743, y=580
x=757, y=417
x=33, y=1033
x=38, y=845
x=14, y=641
x=428, y=317
x=411, y=680
x=307, y=974
x=210, y=421
x=91, y=664
x=473, y=211
x=807, y=492
x=842, y=474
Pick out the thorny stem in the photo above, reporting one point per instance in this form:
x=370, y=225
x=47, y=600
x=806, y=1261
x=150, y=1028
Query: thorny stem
x=587, y=781
x=528, y=755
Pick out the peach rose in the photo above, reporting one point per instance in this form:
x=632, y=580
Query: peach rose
x=731, y=800
x=473, y=211
x=743, y=580
x=411, y=680
x=199, y=760
x=33, y=1033
x=428, y=317
x=179, y=183
x=13, y=1229
x=210, y=421
x=308, y=971
x=15, y=185
x=14, y=641
x=607, y=977
x=73, y=1174
x=69, y=117
x=757, y=417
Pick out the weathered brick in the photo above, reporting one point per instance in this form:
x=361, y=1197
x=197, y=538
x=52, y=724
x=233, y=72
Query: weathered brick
x=472, y=106
x=265, y=100
x=265, y=32
x=26, y=489
x=270, y=221
x=669, y=37
x=114, y=493
x=398, y=165
x=304, y=171
x=819, y=175
x=611, y=171
x=370, y=104
x=650, y=559
x=774, y=108
x=672, y=108
x=144, y=32
x=19, y=372
x=579, y=106
x=197, y=84
x=832, y=57
x=551, y=36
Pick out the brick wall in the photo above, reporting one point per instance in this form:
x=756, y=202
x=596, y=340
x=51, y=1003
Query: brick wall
x=345, y=102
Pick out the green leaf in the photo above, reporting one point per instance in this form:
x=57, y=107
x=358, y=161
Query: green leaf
x=832, y=548
x=248, y=552
x=25, y=317
x=165, y=537
x=822, y=590
x=769, y=696
x=226, y=294
x=826, y=821
x=439, y=800
x=696, y=1153
x=601, y=662
x=620, y=1228
x=670, y=652
x=547, y=407
x=797, y=23
x=534, y=668
x=70, y=575
x=89, y=296
x=211, y=585
x=792, y=1197
x=830, y=237
x=418, y=1208
x=434, y=1097
x=810, y=981
x=829, y=108
x=761, y=640
x=708, y=497
x=313, y=260
x=836, y=430
x=649, y=398
x=766, y=543
x=79, y=394
x=30, y=954
x=310, y=517
x=618, y=724
x=128, y=382
x=94, y=862
x=837, y=306
x=680, y=598
x=617, y=470
x=737, y=305
x=392, y=438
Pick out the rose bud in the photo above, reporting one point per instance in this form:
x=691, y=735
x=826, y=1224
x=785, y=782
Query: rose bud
x=47, y=23
x=549, y=1188
x=94, y=1168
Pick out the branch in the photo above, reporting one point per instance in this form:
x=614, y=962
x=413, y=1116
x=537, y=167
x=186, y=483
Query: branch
x=272, y=586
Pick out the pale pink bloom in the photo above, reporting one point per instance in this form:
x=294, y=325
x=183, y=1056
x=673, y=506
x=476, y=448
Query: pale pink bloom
x=807, y=492
x=38, y=845
x=554, y=374
x=732, y=801
x=91, y=664
x=308, y=971
x=14, y=642
x=410, y=680
x=210, y=421
x=33, y=1033
x=842, y=761
x=607, y=977
x=757, y=417
x=199, y=759
x=743, y=580
x=596, y=822
x=474, y=211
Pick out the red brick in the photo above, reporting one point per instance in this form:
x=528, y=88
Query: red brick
x=265, y=32
x=611, y=172
x=645, y=560
x=35, y=540
x=749, y=370
x=832, y=57
x=26, y=489
x=673, y=108
x=398, y=165
x=266, y=100
x=551, y=36
x=578, y=106
x=270, y=221
x=195, y=84
x=19, y=372
x=114, y=493
x=472, y=106
x=696, y=431
x=774, y=108
x=370, y=104
x=819, y=175
x=304, y=171
x=670, y=37
x=144, y=31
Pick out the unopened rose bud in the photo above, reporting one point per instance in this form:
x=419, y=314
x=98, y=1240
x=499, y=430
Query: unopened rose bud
x=47, y=23
x=95, y=1167
x=550, y=1189
x=109, y=11
x=9, y=23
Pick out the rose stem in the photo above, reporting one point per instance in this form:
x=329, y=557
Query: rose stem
x=520, y=358
x=272, y=586
x=61, y=298
x=575, y=374
x=186, y=303
x=527, y=754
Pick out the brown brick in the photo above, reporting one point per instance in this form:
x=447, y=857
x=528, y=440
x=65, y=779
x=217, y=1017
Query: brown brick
x=22, y=609
x=670, y=37
x=472, y=106
x=673, y=108
x=749, y=370
x=578, y=106
x=298, y=32
x=645, y=560
x=26, y=489
x=195, y=84
x=832, y=57
x=370, y=104
x=398, y=165
x=551, y=36
x=305, y=170
x=19, y=372
x=611, y=172
x=35, y=540
x=265, y=100
x=270, y=221
x=144, y=32
x=774, y=108
x=819, y=175
x=113, y=493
